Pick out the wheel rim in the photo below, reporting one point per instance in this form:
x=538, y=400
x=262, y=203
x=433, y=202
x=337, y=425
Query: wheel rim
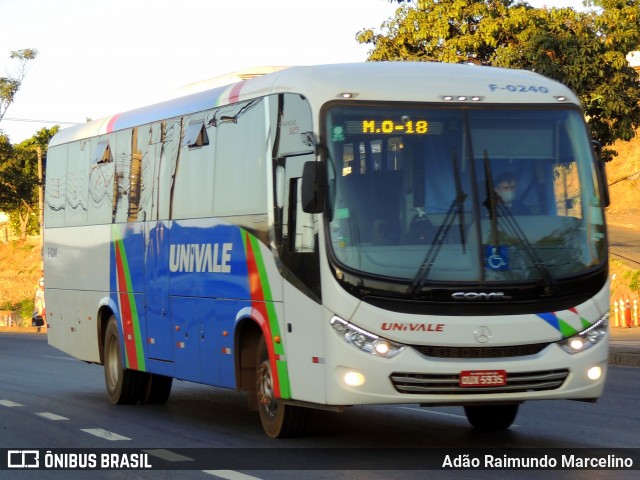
x=113, y=362
x=266, y=394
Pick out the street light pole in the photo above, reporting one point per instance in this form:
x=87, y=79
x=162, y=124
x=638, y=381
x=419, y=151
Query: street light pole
x=40, y=192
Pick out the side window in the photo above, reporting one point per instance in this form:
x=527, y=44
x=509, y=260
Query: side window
x=294, y=123
x=194, y=172
x=54, y=192
x=76, y=185
x=140, y=200
x=241, y=153
x=101, y=175
x=168, y=135
x=122, y=177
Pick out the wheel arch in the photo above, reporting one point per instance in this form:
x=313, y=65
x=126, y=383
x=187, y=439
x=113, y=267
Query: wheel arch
x=248, y=332
x=105, y=311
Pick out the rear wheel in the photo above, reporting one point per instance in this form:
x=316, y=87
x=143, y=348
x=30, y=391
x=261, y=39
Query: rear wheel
x=491, y=418
x=158, y=389
x=123, y=386
x=278, y=419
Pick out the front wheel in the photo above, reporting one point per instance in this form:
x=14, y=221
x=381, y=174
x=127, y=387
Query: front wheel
x=491, y=418
x=278, y=419
x=123, y=386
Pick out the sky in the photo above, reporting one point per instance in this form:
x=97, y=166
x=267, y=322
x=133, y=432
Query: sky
x=98, y=58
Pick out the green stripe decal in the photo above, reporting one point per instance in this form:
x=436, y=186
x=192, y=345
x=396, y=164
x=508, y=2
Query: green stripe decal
x=134, y=353
x=263, y=302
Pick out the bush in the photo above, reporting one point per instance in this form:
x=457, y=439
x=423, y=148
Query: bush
x=634, y=280
x=25, y=310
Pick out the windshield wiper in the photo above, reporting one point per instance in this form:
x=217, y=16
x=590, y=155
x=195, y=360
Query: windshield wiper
x=460, y=198
x=492, y=199
x=456, y=205
x=497, y=208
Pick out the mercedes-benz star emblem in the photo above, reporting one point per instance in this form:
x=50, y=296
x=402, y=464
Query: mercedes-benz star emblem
x=482, y=334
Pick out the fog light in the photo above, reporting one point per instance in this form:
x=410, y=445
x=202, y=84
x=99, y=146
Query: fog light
x=594, y=373
x=353, y=379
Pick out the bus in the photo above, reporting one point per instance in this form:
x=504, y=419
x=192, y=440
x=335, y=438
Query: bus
x=336, y=235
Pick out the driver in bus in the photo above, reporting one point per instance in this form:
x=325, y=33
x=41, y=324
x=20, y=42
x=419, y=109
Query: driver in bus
x=506, y=186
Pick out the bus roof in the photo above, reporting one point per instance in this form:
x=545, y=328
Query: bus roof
x=389, y=81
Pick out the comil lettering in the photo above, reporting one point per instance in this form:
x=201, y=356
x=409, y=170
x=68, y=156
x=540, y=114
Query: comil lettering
x=200, y=257
x=480, y=296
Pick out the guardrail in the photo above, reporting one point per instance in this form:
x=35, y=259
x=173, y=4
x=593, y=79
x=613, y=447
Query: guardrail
x=9, y=319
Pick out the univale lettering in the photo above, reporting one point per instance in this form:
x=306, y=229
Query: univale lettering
x=200, y=257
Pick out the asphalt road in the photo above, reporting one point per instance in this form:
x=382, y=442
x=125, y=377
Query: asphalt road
x=50, y=401
x=624, y=244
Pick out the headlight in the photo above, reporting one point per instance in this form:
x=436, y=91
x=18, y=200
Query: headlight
x=587, y=338
x=366, y=341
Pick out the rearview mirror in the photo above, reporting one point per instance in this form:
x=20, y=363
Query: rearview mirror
x=314, y=176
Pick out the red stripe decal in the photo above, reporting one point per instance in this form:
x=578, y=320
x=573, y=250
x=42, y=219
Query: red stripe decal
x=257, y=297
x=125, y=312
x=111, y=124
x=235, y=92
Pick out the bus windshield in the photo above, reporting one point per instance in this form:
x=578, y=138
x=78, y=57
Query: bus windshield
x=423, y=194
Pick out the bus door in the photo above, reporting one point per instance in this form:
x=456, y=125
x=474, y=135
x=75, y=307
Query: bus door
x=301, y=290
x=298, y=248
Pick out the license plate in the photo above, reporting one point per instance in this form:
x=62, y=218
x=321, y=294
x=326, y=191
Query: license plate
x=483, y=378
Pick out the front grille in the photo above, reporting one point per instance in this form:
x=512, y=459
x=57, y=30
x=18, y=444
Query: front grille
x=480, y=352
x=437, y=384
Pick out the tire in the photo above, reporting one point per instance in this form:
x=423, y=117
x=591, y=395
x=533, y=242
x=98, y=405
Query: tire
x=491, y=418
x=278, y=419
x=123, y=386
x=158, y=389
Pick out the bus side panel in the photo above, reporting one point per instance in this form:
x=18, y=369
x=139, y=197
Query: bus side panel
x=187, y=314
x=209, y=283
x=73, y=261
x=159, y=332
x=202, y=335
x=305, y=346
x=60, y=320
x=218, y=366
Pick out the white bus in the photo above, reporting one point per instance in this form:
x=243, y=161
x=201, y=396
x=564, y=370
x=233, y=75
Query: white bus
x=327, y=236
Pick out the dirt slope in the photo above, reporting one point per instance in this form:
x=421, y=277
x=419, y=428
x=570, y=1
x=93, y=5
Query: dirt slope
x=20, y=265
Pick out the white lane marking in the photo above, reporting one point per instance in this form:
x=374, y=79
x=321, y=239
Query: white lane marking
x=230, y=475
x=9, y=403
x=434, y=412
x=168, y=455
x=106, y=434
x=60, y=358
x=51, y=416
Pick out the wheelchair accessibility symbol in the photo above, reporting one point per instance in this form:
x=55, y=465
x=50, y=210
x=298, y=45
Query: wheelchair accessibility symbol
x=497, y=257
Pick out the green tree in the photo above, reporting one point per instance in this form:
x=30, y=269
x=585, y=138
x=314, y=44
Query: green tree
x=9, y=86
x=19, y=180
x=584, y=50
